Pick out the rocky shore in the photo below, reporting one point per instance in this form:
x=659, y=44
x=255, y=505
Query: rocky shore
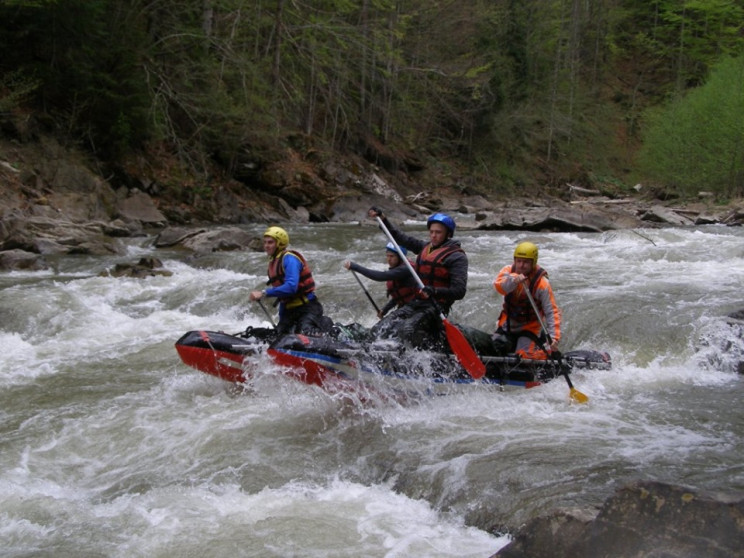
x=55, y=202
x=641, y=520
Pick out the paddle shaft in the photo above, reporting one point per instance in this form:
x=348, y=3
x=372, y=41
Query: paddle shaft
x=402, y=256
x=459, y=344
x=369, y=296
x=537, y=313
x=575, y=394
x=267, y=313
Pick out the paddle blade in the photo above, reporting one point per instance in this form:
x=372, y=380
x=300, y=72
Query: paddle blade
x=574, y=394
x=465, y=354
x=577, y=396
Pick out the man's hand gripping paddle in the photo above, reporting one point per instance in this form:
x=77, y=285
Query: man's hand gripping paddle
x=460, y=346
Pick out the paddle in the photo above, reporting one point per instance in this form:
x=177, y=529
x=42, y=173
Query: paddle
x=267, y=313
x=369, y=296
x=575, y=394
x=248, y=331
x=459, y=344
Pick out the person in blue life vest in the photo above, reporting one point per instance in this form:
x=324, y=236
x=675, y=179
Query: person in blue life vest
x=291, y=283
x=519, y=329
x=442, y=266
x=401, y=286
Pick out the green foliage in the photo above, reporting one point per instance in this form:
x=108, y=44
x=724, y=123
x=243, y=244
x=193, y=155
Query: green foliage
x=673, y=43
x=507, y=86
x=697, y=142
x=15, y=89
x=85, y=59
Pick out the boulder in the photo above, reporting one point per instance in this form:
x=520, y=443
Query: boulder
x=666, y=216
x=219, y=240
x=21, y=260
x=736, y=322
x=172, y=236
x=734, y=217
x=56, y=235
x=138, y=206
x=642, y=520
x=146, y=267
x=354, y=208
x=738, y=315
x=556, y=219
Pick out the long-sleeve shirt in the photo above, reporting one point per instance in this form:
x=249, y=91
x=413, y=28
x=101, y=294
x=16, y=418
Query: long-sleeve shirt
x=400, y=274
x=456, y=263
x=506, y=283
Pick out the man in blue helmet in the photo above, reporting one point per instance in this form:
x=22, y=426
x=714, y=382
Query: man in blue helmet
x=442, y=266
x=401, y=287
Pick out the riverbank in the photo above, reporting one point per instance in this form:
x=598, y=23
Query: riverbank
x=56, y=201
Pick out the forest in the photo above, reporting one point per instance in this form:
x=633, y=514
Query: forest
x=508, y=94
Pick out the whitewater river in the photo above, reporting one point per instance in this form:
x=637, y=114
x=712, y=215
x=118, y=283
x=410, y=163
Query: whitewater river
x=111, y=447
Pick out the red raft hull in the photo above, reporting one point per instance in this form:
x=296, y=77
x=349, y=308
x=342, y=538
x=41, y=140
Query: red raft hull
x=338, y=366
x=234, y=359
x=212, y=357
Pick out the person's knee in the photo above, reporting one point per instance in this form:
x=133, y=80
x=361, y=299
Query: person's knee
x=501, y=343
x=531, y=351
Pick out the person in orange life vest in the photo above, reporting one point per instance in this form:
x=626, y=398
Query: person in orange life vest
x=401, y=287
x=442, y=266
x=291, y=283
x=519, y=330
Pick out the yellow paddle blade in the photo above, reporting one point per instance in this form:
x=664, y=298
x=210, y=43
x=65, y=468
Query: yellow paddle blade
x=577, y=396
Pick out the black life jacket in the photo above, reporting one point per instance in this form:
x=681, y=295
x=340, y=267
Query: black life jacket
x=401, y=290
x=430, y=266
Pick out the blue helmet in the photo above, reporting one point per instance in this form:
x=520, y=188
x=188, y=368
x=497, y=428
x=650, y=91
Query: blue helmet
x=444, y=219
x=391, y=248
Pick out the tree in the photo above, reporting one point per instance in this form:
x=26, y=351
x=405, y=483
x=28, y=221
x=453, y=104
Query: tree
x=85, y=57
x=697, y=141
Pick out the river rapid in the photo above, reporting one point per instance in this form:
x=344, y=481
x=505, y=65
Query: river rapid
x=111, y=446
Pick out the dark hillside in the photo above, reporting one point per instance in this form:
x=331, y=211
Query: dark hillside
x=188, y=100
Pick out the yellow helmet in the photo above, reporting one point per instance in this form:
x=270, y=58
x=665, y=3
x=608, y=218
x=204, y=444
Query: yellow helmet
x=278, y=234
x=526, y=250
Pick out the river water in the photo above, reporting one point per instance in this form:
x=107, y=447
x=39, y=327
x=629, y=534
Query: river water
x=111, y=447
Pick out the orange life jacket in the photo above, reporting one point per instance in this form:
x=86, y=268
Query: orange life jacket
x=519, y=308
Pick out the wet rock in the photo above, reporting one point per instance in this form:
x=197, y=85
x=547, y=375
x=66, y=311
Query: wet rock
x=644, y=519
x=175, y=235
x=734, y=217
x=549, y=536
x=139, y=207
x=474, y=204
x=705, y=220
x=44, y=181
x=219, y=240
x=118, y=228
x=664, y=215
x=21, y=260
x=53, y=235
x=556, y=219
x=352, y=207
x=737, y=315
x=736, y=321
x=146, y=267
